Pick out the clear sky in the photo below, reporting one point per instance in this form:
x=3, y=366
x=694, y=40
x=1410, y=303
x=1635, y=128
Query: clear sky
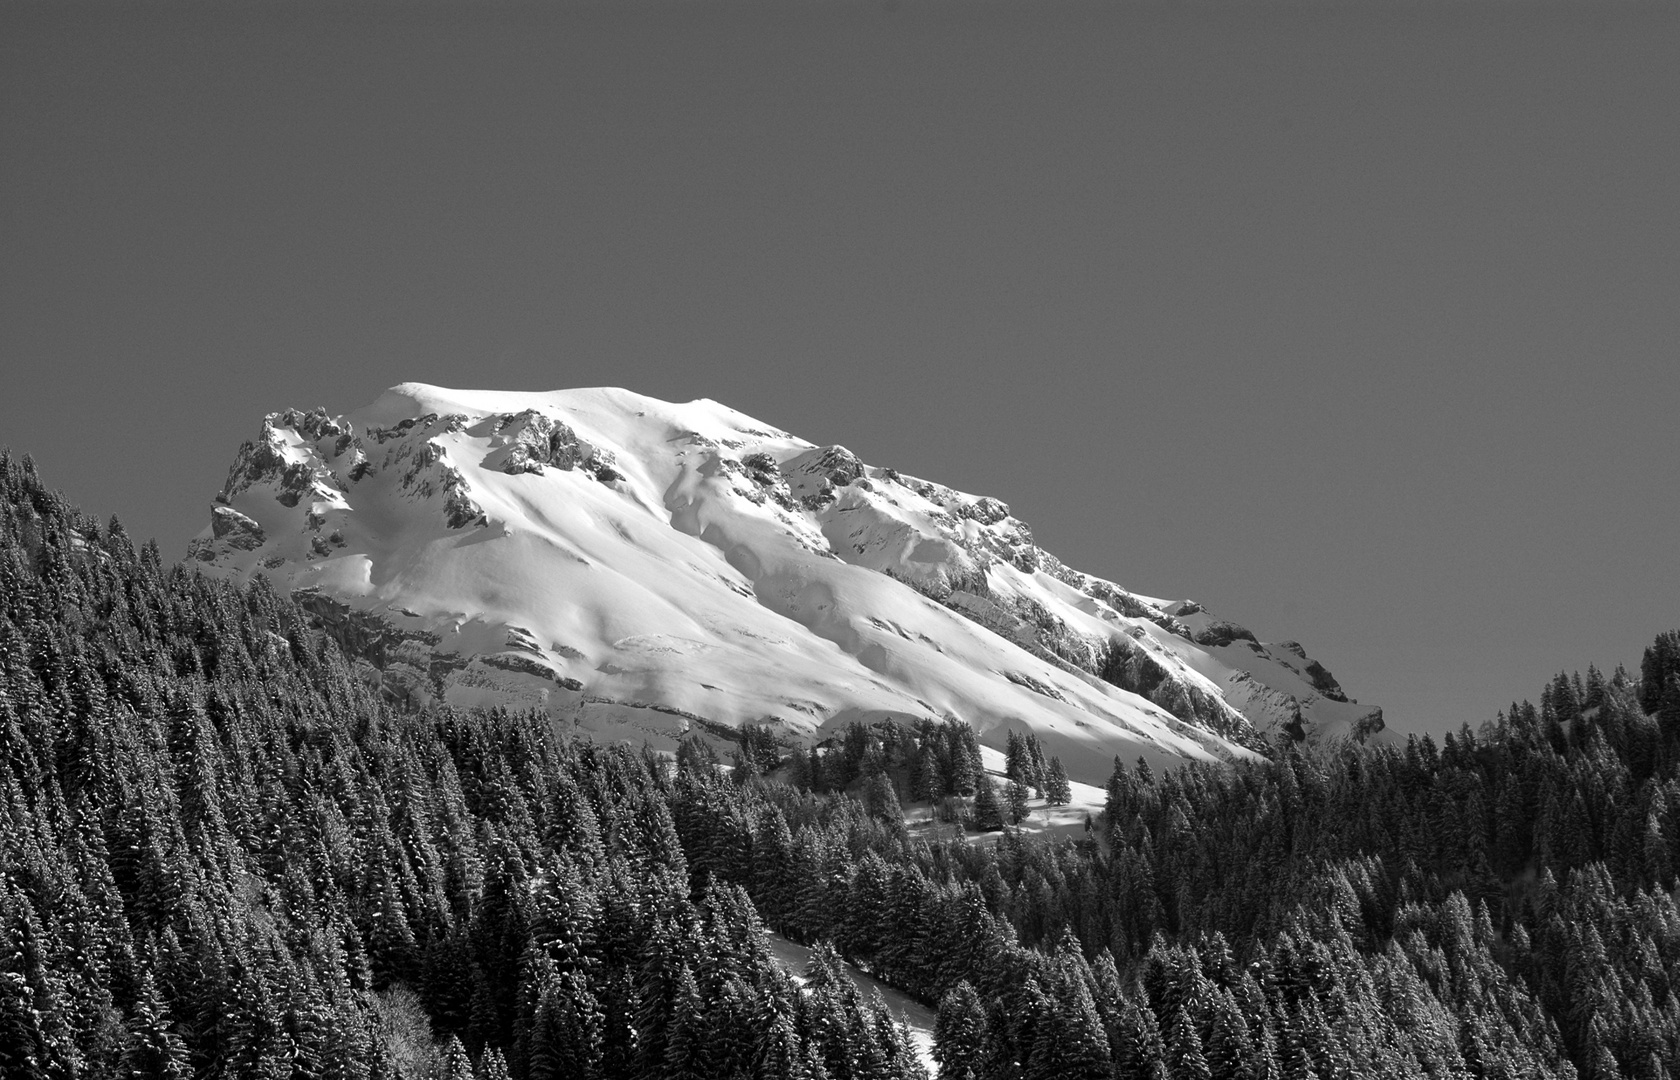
x=1357, y=323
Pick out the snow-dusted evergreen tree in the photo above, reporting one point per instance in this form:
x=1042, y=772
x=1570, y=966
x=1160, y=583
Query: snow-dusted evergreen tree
x=988, y=808
x=1057, y=790
x=959, y=1036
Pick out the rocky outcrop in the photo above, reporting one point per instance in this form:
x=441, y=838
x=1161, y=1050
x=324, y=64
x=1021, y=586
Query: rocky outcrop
x=1037, y=686
x=526, y=665
x=1369, y=724
x=1317, y=674
x=256, y=462
x=235, y=529
x=986, y=510
x=535, y=440
x=315, y=425
x=358, y=634
x=1130, y=606
x=1223, y=632
x=1324, y=682
x=834, y=464
x=429, y=474
x=531, y=441
x=815, y=478
x=459, y=509
x=296, y=472
x=1131, y=666
x=762, y=469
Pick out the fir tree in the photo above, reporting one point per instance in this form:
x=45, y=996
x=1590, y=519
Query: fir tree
x=959, y=1035
x=1057, y=790
x=1016, y=796
x=988, y=811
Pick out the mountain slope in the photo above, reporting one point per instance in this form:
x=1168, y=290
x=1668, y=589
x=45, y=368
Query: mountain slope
x=641, y=567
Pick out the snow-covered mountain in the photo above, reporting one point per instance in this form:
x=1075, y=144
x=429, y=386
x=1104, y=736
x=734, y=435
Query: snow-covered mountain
x=643, y=568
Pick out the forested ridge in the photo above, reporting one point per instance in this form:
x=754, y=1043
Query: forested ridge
x=223, y=854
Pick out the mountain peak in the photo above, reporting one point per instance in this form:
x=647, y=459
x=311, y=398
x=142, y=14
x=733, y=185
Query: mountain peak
x=643, y=568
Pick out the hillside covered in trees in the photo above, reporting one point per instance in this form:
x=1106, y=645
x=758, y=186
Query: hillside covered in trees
x=223, y=853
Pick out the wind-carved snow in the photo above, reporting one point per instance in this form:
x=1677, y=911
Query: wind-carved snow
x=642, y=568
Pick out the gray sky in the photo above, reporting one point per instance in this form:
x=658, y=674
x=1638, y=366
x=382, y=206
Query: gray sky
x=1355, y=322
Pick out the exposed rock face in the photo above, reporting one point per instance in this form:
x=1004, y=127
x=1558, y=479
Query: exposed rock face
x=459, y=510
x=1369, y=724
x=1222, y=632
x=838, y=465
x=235, y=529
x=1317, y=674
x=815, y=477
x=762, y=469
x=1226, y=638
x=1131, y=666
x=637, y=565
x=531, y=440
x=269, y=459
x=358, y=633
x=535, y=440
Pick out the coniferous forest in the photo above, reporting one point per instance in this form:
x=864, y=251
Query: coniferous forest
x=224, y=854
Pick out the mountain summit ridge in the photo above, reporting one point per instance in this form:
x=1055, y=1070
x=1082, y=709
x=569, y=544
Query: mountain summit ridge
x=641, y=568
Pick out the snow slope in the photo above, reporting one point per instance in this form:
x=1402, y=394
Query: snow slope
x=642, y=568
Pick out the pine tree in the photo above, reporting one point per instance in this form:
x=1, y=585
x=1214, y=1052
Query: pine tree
x=492, y=1065
x=23, y=1049
x=1057, y=790
x=1661, y=659
x=1185, y=1059
x=1014, y=756
x=1002, y=1051
x=1016, y=796
x=1070, y=1041
x=456, y=1064
x=880, y=798
x=959, y=1034
x=1298, y=1065
x=1135, y=1042
x=1036, y=767
x=988, y=811
x=1668, y=706
x=1229, y=1049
